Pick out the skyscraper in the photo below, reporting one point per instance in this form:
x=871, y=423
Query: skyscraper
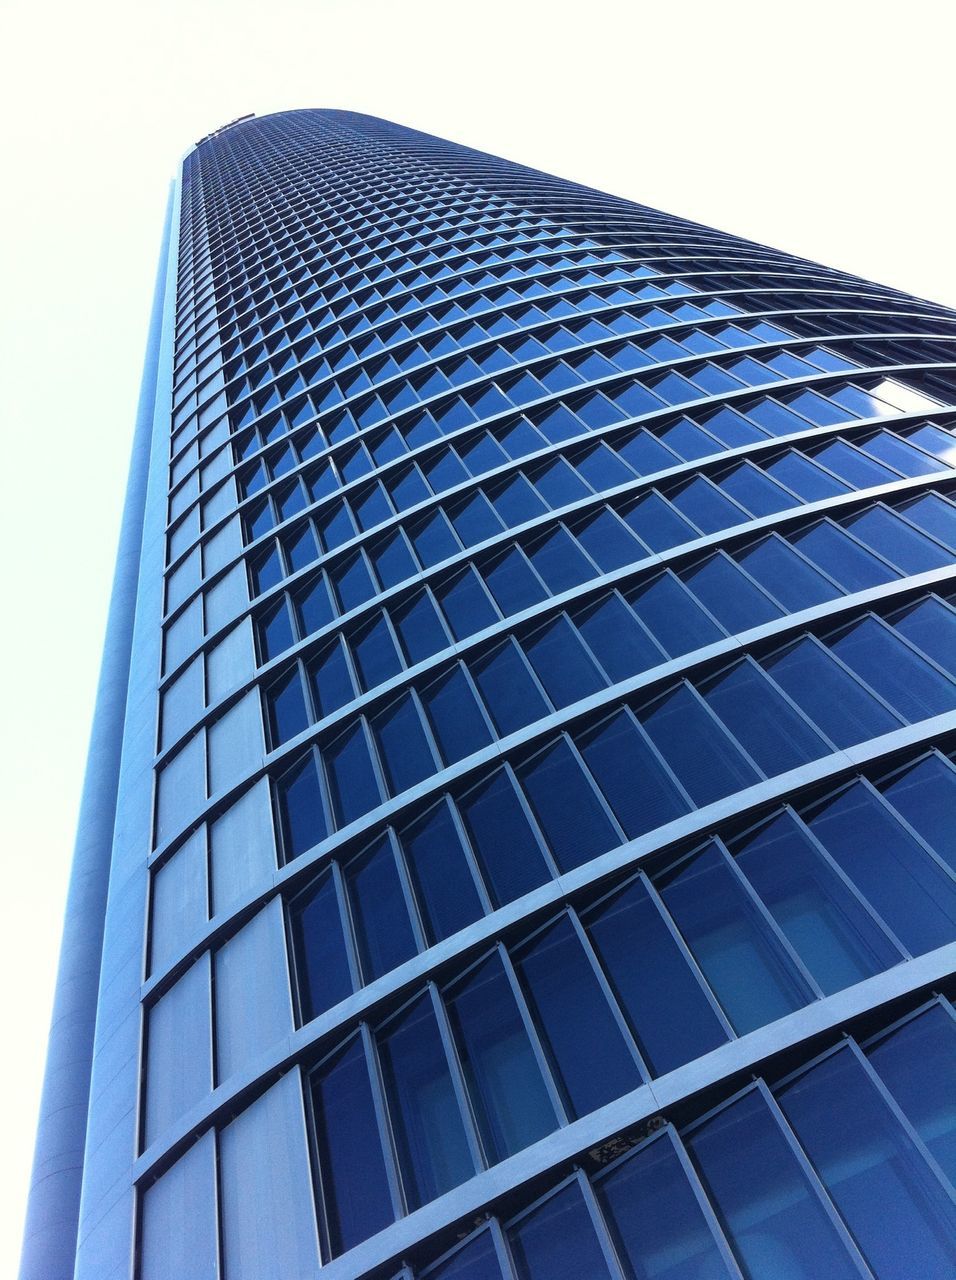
x=518, y=838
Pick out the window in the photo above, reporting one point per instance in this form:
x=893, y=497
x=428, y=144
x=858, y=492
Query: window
x=440, y=874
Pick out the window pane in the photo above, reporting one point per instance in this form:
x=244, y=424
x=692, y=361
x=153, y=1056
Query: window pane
x=696, y=747
x=287, y=713
x=331, y=681
x=761, y=720
x=787, y=576
x=741, y=960
x=562, y=664
x=632, y=778
x=931, y=626
x=879, y=1182
x=502, y=839
x=732, y=598
x=659, y=1227
x=477, y=1260
x=926, y=797
x=846, y=561
x=429, y=1133
x=351, y=777
x=914, y=896
x=673, y=616
x=375, y=655
x=322, y=965
x=508, y=689
x=466, y=604
x=419, y=628
x=402, y=746
x=443, y=883
x=354, y=1182
x=824, y=923
x=301, y=811
x=382, y=927
x=775, y=1222
x=632, y=940
x=569, y=813
x=508, y=1094
x=917, y=1063
x=455, y=717
x=617, y=639
x=557, y=1241
x=513, y=583
x=587, y=1052
x=845, y=711
x=894, y=671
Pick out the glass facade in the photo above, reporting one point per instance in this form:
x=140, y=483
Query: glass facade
x=546, y=846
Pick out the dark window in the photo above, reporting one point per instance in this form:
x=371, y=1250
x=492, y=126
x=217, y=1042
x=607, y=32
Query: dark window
x=301, y=811
x=443, y=883
x=375, y=654
x=732, y=598
x=926, y=797
x=673, y=616
x=331, y=681
x=379, y=914
x=562, y=664
x=466, y=604
x=634, y=782
x=569, y=813
x=419, y=628
x=894, y=671
x=557, y=1241
x=403, y=748
x=842, y=708
x=509, y=691
x=322, y=965
x=351, y=777
x=768, y=728
x=502, y=838
x=513, y=582
x=696, y=746
x=617, y=639
x=287, y=713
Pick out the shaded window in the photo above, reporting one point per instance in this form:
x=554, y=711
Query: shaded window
x=455, y=716
x=322, y=968
x=466, y=604
x=931, y=626
x=379, y=914
x=842, y=708
x=508, y=1094
x=894, y=671
x=393, y=561
x=657, y=524
x=608, y=541
x=926, y=797
x=502, y=839
x=508, y=689
x=287, y=713
x=301, y=810
x=425, y=1119
x=275, y=632
x=475, y=520
x=656, y=1221
x=878, y=1180
x=786, y=575
x=557, y=1241
x=632, y=940
x=744, y=964
x=634, y=782
x=887, y=534
x=833, y=934
x=560, y=561
x=314, y=606
x=768, y=728
x=562, y=664
x=673, y=616
x=331, y=681
x=851, y=565
x=354, y=1182
x=566, y=807
x=617, y=639
x=402, y=746
x=353, y=583
x=434, y=540
x=351, y=777
x=375, y=655
x=587, y=1051
x=912, y=894
x=419, y=628
x=766, y=1204
x=444, y=887
x=696, y=746
x=732, y=598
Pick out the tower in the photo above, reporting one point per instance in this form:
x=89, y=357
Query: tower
x=518, y=834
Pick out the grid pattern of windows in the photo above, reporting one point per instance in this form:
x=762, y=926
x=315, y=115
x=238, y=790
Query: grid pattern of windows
x=556, y=732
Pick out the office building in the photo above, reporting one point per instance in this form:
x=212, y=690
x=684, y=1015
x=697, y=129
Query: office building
x=518, y=840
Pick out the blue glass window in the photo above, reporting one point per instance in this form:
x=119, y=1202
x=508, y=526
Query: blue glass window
x=617, y=639
x=267, y=571
x=879, y=1182
x=912, y=894
x=393, y=560
x=926, y=797
x=455, y=716
x=375, y=655
x=301, y=550
x=746, y=967
x=301, y=811
x=703, y=503
x=773, y=1218
x=657, y=524
x=433, y=539
x=587, y=1051
x=658, y=1225
x=917, y=1063
x=354, y=1182
x=477, y=1260
x=382, y=927
x=513, y=583
x=566, y=807
x=508, y=689
x=351, y=777
x=673, y=616
x=322, y=967
x=475, y=519
x=894, y=671
x=755, y=491
x=931, y=626
x=443, y=883
x=760, y=718
x=557, y=1241
x=426, y=1121
x=807, y=480
x=559, y=484
x=560, y=561
x=314, y=606
x=331, y=681
x=502, y=839
x=287, y=713
x=634, y=782
x=787, y=575
x=419, y=628
x=695, y=746
x=353, y=583
x=851, y=565
x=842, y=708
x=402, y=746
x=508, y=1094
x=833, y=934
x=608, y=541
x=466, y=604
x=562, y=664
x=516, y=501
x=632, y=940
x=275, y=632
x=902, y=545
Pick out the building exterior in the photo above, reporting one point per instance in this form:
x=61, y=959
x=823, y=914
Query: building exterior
x=518, y=838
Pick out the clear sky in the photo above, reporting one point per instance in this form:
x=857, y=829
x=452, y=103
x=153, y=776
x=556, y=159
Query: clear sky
x=823, y=128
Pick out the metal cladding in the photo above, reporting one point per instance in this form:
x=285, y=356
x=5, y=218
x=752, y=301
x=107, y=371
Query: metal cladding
x=544, y=865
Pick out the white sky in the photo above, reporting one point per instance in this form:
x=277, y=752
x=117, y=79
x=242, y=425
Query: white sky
x=822, y=128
